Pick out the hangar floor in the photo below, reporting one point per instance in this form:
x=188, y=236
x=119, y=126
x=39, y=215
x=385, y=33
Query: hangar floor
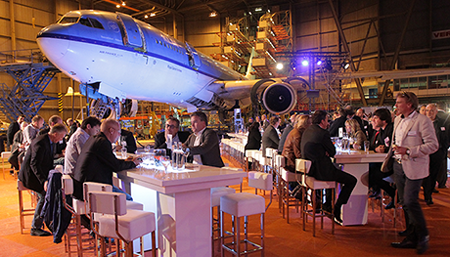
x=282, y=239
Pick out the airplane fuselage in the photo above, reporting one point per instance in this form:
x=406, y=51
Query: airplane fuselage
x=128, y=58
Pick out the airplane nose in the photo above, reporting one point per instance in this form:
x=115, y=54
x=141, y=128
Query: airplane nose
x=53, y=42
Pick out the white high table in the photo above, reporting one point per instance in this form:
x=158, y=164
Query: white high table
x=182, y=204
x=357, y=164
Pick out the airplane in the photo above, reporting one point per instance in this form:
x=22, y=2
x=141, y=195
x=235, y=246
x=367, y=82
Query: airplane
x=120, y=57
x=115, y=56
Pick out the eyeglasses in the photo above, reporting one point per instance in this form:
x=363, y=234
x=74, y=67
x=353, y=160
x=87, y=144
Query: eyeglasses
x=170, y=126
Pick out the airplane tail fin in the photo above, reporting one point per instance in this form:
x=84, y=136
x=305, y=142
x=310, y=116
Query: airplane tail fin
x=250, y=64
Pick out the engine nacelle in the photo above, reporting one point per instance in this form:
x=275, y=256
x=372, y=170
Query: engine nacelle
x=279, y=98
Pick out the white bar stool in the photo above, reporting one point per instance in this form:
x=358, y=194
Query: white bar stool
x=249, y=157
x=5, y=155
x=125, y=225
x=216, y=193
x=77, y=209
x=243, y=205
x=286, y=199
x=313, y=185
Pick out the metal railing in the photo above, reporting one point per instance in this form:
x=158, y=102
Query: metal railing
x=22, y=56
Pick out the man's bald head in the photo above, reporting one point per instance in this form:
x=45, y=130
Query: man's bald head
x=111, y=129
x=431, y=111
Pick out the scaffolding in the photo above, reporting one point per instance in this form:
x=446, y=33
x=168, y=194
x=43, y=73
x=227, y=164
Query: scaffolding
x=32, y=76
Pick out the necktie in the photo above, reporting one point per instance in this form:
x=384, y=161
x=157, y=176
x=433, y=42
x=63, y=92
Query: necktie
x=375, y=137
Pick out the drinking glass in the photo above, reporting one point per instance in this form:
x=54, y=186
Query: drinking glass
x=165, y=160
x=366, y=146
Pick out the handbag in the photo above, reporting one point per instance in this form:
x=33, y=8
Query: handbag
x=388, y=162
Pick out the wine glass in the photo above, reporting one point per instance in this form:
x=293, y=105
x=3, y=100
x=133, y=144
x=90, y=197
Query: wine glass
x=165, y=160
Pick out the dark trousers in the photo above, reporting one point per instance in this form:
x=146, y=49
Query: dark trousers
x=442, y=173
x=408, y=194
x=37, y=219
x=348, y=182
x=376, y=179
x=429, y=183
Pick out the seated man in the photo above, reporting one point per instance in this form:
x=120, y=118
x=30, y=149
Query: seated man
x=270, y=137
x=380, y=143
x=130, y=140
x=97, y=161
x=204, y=142
x=60, y=148
x=89, y=127
x=35, y=169
x=173, y=129
x=317, y=147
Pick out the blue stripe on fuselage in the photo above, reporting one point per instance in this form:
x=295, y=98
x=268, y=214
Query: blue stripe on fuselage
x=121, y=47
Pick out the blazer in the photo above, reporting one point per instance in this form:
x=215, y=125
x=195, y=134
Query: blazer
x=129, y=138
x=97, y=163
x=270, y=139
x=421, y=140
x=253, y=139
x=317, y=147
x=12, y=129
x=208, y=149
x=160, y=139
x=37, y=163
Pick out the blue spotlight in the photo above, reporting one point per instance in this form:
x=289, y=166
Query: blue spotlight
x=305, y=62
x=319, y=62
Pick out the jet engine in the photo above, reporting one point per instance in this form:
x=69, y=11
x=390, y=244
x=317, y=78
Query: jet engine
x=279, y=98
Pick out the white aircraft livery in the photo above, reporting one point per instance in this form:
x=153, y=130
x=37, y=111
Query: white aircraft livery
x=124, y=58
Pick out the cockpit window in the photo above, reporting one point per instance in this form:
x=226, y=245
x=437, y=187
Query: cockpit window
x=95, y=23
x=68, y=20
x=90, y=22
x=85, y=22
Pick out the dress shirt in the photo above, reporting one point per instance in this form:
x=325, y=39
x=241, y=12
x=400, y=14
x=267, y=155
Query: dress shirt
x=73, y=149
x=198, y=136
x=401, y=130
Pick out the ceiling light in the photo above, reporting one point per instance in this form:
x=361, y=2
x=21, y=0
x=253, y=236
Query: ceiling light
x=280, y=66
x=319, y=62
x=118, y=6
x=213, y=14
x=152, y=14
x=345, y=64
x=258, y=9
x=123, y=3
x=146, y=16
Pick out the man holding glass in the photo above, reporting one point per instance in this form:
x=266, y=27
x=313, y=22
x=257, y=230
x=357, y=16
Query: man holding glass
x=414, y=139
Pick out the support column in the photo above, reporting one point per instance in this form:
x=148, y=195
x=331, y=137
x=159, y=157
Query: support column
x=13, y=25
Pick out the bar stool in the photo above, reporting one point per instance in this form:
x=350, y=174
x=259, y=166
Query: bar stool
x=5, y=155
x=249, y=155
x=243, y=205
x=280, y=162
x=125, y=224
x=312, y=185
x=22, y=210
x=77, y=209
x=286, y=199
x=216, y=193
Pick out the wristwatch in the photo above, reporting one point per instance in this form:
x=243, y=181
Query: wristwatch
x=408, y=152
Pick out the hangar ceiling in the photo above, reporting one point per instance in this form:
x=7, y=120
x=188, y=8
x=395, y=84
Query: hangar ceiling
x=159, y=8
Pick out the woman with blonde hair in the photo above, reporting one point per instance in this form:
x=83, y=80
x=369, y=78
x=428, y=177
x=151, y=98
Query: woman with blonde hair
x=354, y=131
x=291, y=149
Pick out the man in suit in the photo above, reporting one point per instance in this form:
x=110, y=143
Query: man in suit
x=317, y=147
x=270, y=137
x=414, y=140
x=30, y=132
x=97, y=161
x=60, y=146
x=203, y=144
x=437, y=158
x=172, y=129
x=445, y=117
x=35, y=169
x=12, y=129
